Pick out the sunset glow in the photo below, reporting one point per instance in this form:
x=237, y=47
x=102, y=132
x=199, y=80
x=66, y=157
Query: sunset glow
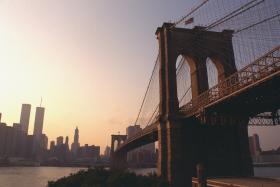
x=90, y=62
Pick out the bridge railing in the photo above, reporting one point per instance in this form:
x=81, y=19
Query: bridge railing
x=259, y=70
x=266, y=119
x=214, y=183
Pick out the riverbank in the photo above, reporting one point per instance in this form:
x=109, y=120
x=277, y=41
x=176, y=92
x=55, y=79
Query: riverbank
x=39, y=176
x=109, y=178
x=30, y=163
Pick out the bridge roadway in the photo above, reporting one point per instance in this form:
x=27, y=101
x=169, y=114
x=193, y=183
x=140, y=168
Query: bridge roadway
x=247, y=88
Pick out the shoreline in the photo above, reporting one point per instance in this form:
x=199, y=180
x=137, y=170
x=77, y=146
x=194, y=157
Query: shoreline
x=106, y=165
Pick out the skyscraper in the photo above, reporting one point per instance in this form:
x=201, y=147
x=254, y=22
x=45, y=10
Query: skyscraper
x=52, y=146
x=130, y=131
x=254, y=144
x=24, y=117
x=107, y=152
x=44, y=142
x=75, y=145
x=67, y=143
x=59, y=140
x=39, y=120
x=147, y=150
x=38, y=129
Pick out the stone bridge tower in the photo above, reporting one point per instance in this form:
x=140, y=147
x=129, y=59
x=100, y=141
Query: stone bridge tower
x=117, y=160
x=183, y=143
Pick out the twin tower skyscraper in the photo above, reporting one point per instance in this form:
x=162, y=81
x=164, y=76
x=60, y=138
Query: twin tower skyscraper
x=39, y=120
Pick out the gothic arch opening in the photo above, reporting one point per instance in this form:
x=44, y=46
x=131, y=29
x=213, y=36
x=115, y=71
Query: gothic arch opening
x=183, y=77
x=212, y=73
x=115, y=144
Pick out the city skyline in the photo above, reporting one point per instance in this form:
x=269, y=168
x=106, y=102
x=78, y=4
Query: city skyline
x=66, y=53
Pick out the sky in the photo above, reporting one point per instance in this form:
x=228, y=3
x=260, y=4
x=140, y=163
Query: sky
x=90, y=61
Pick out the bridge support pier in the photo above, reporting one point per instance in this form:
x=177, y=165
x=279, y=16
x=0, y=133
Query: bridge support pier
x=222, y=149
x=177, y=174
x=170, y=159
x=246, y=168
x=162, y=154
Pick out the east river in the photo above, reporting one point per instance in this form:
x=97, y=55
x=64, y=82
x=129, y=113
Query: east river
x=39, y=176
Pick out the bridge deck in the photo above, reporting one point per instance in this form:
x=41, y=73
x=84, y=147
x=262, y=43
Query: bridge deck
x=240, y=182
x=259, y=71
x=251, y=76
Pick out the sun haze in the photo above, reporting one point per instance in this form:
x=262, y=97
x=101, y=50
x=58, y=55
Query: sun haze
x=90, y=61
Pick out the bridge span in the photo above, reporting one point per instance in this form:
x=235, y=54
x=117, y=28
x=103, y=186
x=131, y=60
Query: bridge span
x=257, y=77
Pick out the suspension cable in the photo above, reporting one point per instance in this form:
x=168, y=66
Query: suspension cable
x=150, y=80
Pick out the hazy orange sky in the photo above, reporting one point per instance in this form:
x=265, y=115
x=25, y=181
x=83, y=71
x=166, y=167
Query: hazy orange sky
x=90, y=60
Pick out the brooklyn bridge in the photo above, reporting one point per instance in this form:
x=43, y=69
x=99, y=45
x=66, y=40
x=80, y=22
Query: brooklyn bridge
x=216, y=73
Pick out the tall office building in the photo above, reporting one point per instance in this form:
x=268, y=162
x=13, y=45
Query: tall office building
x=59, y=140
x=67, y=143
x=39, y=120
x=254, y=145
x=142, y=154
x=132, y=130
x=37, y=133
x=24, y=117
x=52, y=146
x=44, y=142
x=107, y=152
x=133, y=154
x=75, y=145
x=66, y=140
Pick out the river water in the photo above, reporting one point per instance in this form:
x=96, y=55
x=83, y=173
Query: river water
x=39, y=176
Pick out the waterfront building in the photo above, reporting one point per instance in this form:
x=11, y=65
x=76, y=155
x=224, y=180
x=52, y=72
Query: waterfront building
x=60, y=152
x=89, y=152
x=29, y=146
x=2, y=138
x=24, y=117
x=15, y=141
x=12, y=141
x=20, y=140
